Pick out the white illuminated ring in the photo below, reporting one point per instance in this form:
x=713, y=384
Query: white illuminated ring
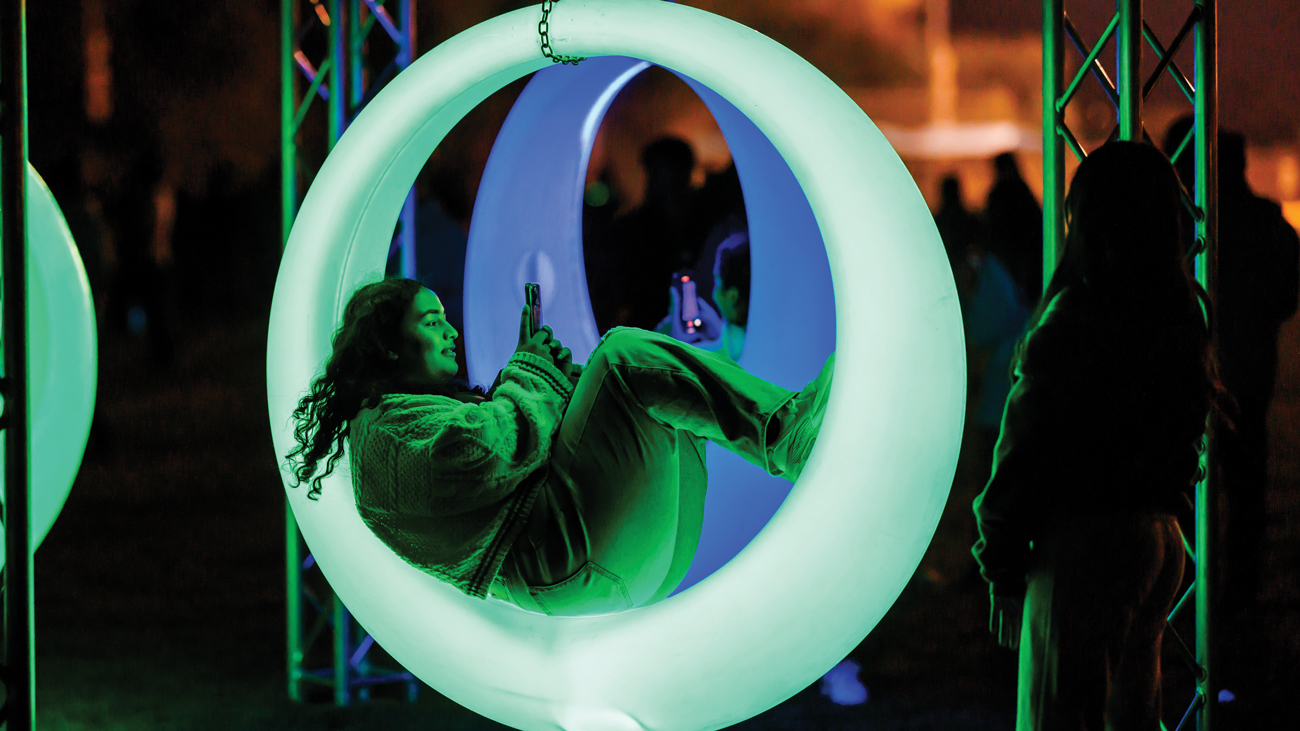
x=844, y=544
x=61, y=358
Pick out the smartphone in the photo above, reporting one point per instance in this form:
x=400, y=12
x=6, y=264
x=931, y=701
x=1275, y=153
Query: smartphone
x=533, y=297
x=688, y=305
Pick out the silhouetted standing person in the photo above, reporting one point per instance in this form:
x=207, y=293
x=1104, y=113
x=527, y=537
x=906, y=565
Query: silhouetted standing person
x=720, y=213
x=1099, y=449
x=993, y=315
x=999, y=260
x=962, y=233
x=1257, y=292
x=1259, y=272
x=1015, y=227
x=135, y=299
x=651, y=242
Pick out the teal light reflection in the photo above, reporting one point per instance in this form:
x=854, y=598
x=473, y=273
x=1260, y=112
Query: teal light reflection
x=61, y=358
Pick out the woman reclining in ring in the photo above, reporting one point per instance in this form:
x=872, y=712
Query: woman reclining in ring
x=563, y=490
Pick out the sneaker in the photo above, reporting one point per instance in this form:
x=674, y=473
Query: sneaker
x=842, y=685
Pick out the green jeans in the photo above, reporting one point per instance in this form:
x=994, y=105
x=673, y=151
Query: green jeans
x=618, y=518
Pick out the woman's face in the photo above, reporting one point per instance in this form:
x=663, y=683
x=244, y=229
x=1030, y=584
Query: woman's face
x=727, y=299
x=428, y=342
x=721, y=298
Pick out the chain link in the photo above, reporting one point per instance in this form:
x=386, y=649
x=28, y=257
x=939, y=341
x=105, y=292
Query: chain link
x=544, y=30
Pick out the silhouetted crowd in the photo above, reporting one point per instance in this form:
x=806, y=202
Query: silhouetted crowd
x=631, y=257
x=156, y=255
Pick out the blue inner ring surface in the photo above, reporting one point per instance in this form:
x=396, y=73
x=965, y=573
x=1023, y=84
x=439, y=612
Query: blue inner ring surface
x=527, y=227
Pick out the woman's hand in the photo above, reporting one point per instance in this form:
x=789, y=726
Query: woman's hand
x=545, y=344
x=563, y=358
x=539, y=343
x=1005, y=617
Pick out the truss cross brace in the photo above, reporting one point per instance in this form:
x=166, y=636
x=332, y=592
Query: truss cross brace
x=326, y=55
x=1127, y=94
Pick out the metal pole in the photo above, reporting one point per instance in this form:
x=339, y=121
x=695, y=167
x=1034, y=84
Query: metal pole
x=288, y=130
x=1207, y=198
x=406, y=54
x=338, y=121
x=342, y=653
x=338, y=69
x=408, y=24
x=293, y=602
x=1053, y=147
x=20, y=640
x=288, y=210
x=1127, y=94
x=356, y=61
x=341, y=80
x=1128, y=69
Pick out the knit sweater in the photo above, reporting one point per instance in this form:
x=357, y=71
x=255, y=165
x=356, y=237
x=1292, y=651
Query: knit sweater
x=448, y=485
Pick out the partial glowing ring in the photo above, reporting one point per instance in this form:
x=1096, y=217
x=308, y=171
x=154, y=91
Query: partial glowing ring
x=61, y=358
x=843, y=545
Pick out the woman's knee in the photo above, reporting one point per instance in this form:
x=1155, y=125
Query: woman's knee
x=622, y=344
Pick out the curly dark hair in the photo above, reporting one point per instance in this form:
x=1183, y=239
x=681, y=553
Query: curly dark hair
x=360, y=370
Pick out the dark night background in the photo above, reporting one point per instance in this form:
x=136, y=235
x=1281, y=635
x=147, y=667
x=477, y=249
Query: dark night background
x=160, y=590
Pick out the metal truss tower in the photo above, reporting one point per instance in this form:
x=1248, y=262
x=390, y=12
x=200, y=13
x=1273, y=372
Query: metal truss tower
x=18, y=672
x=1126, y=94
x=340, y=53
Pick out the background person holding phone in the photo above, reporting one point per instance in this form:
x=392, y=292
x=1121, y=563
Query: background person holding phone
x=562, y=490
x=721, y=331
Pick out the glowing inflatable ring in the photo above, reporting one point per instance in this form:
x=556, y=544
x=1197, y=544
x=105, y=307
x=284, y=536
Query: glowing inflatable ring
x=61, y=358
x=843, y=545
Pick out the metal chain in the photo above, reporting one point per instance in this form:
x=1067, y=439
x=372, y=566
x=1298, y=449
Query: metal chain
x=544, y=30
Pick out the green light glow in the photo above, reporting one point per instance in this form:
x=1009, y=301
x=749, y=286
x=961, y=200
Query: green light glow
x=836, y=555
x=60, y=360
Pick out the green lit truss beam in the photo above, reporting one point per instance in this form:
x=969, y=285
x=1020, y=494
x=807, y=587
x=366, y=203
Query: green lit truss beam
x=1126, y=94
x=335, y=56
x=18, y=671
